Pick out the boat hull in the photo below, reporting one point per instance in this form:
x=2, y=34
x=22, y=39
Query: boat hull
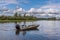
x=29, y=28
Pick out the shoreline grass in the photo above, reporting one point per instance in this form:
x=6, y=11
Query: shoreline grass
x=22, y=20
x=15, y=20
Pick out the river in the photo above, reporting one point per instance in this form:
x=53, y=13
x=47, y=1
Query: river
x=48, y=30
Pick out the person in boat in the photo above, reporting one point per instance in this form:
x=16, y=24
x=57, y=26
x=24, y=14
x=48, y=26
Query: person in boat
x=17, y=26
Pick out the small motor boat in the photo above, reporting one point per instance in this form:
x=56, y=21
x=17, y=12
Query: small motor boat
x=30, y=27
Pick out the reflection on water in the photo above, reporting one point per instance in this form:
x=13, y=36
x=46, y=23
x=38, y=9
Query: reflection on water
x=48, y=30
x=17, y=32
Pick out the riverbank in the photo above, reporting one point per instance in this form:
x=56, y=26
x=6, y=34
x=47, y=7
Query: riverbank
x=21, y=18
x=4, y=21
x=15, y=20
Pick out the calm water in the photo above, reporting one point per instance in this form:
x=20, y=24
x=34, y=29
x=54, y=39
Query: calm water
x=48, y=30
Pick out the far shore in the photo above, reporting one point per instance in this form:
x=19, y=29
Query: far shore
x=16, y=20
x=24, y=20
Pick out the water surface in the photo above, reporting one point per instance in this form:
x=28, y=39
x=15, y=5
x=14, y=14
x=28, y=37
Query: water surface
x=48, y=30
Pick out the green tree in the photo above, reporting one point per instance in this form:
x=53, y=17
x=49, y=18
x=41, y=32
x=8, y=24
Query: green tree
x=16, y=14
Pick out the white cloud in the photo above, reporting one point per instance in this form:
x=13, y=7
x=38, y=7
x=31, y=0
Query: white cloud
x=51, y=10
x=32, y=10
x=47, y=9
x=3, y=8
x=35, y=10
x=43, y=9
x=39, y=10
x=51, y=6
x=42, y=14
x=6, y=2
x=17, y=2
x=19, y=10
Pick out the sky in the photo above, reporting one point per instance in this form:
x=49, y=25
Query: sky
x=30, y=5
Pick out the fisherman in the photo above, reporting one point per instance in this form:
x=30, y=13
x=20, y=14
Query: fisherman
x=17, y=26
